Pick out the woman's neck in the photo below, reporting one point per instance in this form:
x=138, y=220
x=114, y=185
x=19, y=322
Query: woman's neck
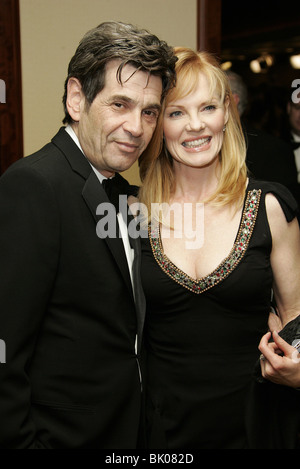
x=195, y=184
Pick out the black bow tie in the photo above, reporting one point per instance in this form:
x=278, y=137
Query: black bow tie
x=117, y=186
x=295, y=145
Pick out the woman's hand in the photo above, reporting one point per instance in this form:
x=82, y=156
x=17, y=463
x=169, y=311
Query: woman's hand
x=274, y=322
x=280, y=362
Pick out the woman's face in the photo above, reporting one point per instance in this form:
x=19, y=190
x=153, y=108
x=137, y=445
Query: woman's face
x=193, y=127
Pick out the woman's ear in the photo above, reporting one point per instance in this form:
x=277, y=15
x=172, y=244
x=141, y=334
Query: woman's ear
x=74, y=98
x=226, y=108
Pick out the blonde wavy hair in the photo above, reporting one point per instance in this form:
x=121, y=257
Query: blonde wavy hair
x=156, y=167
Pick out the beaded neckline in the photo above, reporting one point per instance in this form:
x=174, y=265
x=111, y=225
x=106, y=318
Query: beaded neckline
x=236, y=254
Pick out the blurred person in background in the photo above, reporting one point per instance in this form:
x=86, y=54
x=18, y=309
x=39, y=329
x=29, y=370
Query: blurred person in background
x=269, y=158
x=292, y=131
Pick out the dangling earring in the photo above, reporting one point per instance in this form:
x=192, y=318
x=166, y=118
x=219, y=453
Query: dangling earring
x=224, y=128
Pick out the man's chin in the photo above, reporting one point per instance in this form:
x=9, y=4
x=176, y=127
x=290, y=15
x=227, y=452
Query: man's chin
x=124, y=165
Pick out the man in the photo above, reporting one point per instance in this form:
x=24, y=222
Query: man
x=268, y=157
x=293, y=112
x=72, y=309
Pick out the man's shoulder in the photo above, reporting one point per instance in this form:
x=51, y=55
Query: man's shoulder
x=265, y=141
x=48, y=160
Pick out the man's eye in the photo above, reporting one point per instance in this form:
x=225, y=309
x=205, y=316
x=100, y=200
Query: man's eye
x=151, y=114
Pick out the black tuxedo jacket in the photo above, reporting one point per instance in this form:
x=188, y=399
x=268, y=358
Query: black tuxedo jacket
x=271, y=159
x=68, y=315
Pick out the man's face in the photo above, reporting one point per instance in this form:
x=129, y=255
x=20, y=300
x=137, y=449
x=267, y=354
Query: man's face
x=117, y=127
x=294, y=117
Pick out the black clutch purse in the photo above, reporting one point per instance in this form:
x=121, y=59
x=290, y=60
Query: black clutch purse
x=291, y=334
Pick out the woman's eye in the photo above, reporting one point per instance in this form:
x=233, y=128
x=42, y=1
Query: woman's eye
x=211, y=107
x=175, y=114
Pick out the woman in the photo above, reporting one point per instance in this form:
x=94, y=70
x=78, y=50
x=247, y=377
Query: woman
x=218, y=245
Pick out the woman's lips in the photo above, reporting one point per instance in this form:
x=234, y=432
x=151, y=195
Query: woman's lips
x=196, y=143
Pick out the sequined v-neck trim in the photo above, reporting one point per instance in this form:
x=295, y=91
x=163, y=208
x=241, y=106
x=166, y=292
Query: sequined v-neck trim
x=236, y=254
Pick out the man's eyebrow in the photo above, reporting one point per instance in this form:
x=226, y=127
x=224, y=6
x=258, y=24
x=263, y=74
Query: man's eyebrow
x=155, y=106
x=126, y=99
x=121, y=97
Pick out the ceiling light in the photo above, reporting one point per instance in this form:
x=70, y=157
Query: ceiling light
x=295, y=61
x=262, y=63
x=255, y=66
x=226, y=65
x=268, y=59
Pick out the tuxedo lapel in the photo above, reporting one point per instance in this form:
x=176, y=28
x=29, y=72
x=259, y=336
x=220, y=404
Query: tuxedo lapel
x=138, y=291
x=73, y=154
x=136, y=274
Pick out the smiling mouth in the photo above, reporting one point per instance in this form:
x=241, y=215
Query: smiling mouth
x=196, y=143
x=129, y=147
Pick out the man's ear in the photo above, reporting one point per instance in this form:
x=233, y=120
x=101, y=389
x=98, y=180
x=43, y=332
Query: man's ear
x=236, y=98
x=75, y=98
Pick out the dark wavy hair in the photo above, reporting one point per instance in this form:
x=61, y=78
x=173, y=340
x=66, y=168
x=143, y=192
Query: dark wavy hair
x=116, y=40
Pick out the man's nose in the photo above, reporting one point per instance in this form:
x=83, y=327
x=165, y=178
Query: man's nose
x=134, y=124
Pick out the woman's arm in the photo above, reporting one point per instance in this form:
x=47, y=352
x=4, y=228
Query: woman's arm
x=285, y=261
x=281, y=362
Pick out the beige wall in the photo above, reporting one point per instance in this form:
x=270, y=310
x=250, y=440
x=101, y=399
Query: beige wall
x=50, y=32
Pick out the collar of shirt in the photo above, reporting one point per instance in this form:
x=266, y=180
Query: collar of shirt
x=74, y=137
x=295, y=137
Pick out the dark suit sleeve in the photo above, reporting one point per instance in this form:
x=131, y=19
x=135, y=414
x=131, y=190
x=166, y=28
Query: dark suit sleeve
x=29, y=234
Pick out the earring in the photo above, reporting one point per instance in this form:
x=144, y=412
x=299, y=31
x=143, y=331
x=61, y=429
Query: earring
x=224, y=128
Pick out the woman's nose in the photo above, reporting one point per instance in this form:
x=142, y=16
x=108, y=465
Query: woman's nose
x=195, y=123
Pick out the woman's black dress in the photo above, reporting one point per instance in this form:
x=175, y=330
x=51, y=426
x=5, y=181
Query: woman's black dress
x=201, y=337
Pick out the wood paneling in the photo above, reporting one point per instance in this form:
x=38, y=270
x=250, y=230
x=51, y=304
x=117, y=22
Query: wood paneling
x=209, y=25
x=11, y=129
